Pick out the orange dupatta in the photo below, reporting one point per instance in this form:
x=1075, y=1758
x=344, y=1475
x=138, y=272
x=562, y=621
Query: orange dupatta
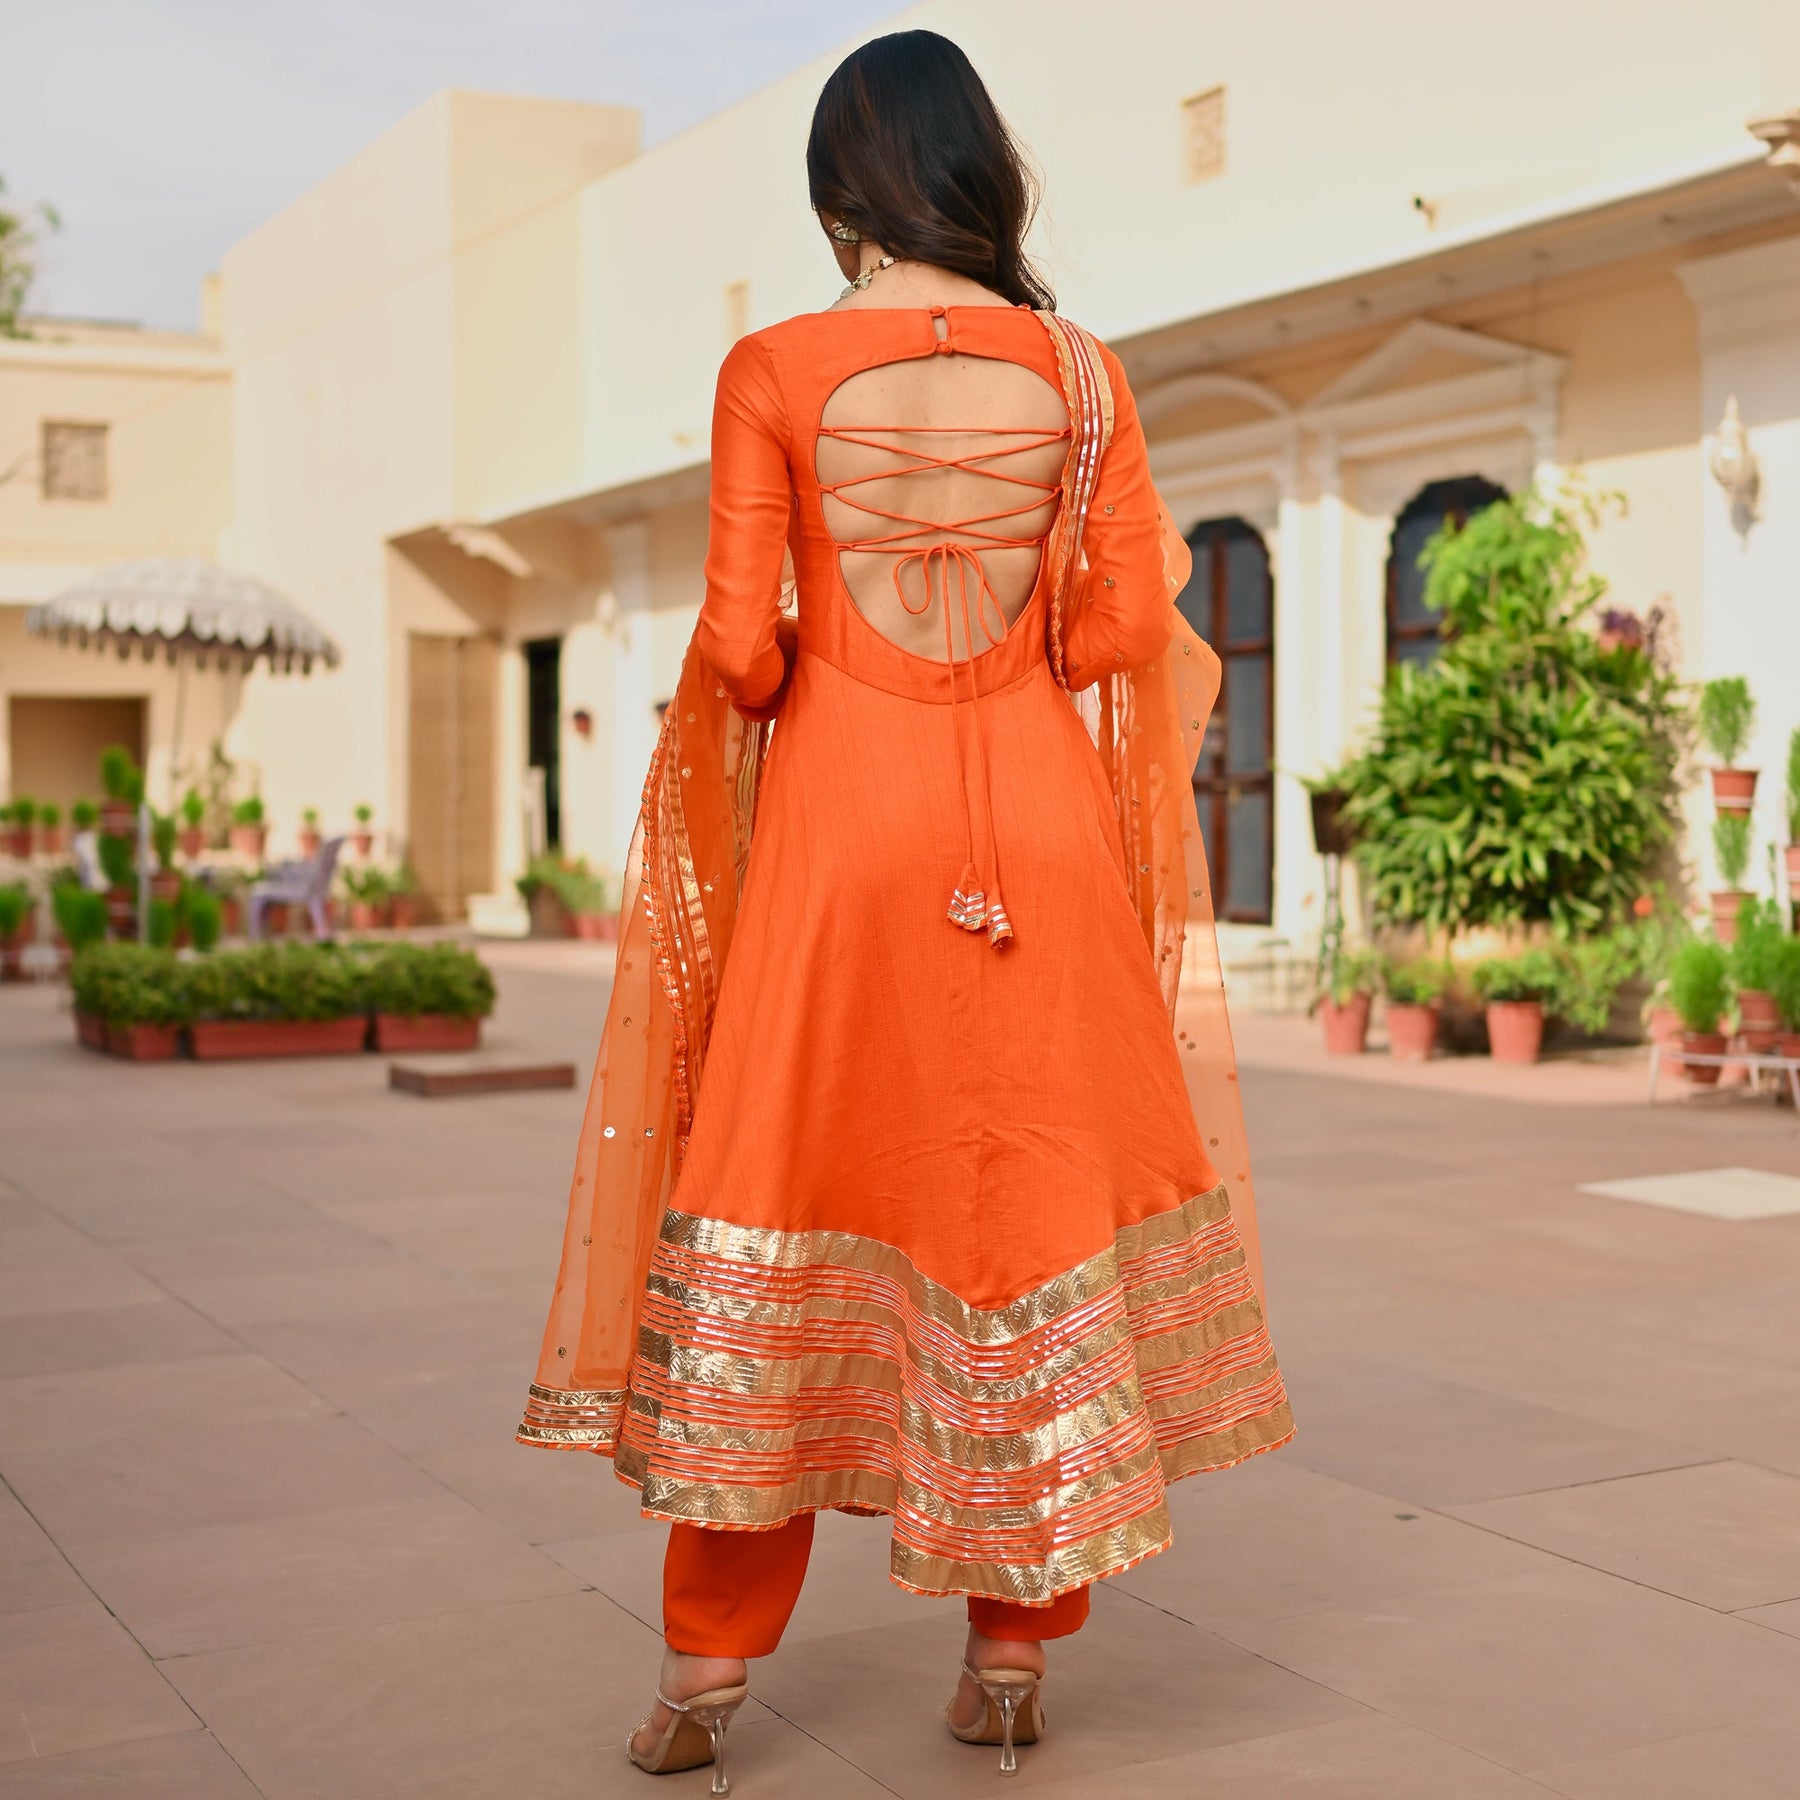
x=684, y=884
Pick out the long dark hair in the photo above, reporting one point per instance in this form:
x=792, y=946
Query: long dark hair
x=908, y=147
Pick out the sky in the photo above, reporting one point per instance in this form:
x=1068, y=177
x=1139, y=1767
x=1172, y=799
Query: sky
x=164, y=130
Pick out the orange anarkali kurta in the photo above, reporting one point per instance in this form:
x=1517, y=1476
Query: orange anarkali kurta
x=945, y=1242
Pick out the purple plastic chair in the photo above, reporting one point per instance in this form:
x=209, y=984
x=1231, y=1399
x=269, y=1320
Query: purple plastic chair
x=306, y=881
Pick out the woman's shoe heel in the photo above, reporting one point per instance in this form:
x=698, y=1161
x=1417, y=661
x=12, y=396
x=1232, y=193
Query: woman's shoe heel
x=1008, y=1696
x=694, y=1735
x=1012, y=1715
x=715, y=1719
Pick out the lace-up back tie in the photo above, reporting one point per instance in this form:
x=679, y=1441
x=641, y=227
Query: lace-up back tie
x=975, y=903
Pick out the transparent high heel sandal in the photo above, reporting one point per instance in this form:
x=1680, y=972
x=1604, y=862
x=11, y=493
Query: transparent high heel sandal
x=694, y=1737
x=1013, y=1714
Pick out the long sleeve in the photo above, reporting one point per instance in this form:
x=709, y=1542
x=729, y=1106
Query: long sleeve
x=1121, y=616
x=752, y=501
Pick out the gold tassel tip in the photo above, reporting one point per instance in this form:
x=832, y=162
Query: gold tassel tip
x=968, y=905
x=999, y=926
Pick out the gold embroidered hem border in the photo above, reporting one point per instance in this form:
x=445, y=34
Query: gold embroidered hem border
x=1021, y=1451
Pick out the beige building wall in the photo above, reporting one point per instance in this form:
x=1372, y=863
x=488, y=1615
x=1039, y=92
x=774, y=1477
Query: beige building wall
x=164, y=401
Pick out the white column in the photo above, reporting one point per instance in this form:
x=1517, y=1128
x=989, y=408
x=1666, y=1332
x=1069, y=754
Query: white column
x=1295, y=914
x=1332, y=603
x=631, y=730
x=512, y=733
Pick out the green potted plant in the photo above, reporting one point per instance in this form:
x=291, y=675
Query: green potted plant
x=1414, y=989
x=1727, y=715
x=309, y=831
x=80, y=918
x=122, y=782
x=229, y=884
x=588, y=901
x=118, y=867
x=1344, y=1005
x=362, y=839
x=1731, y=850
x=1787, y=996
x=192, y=836
x=249, y=827
x=16, y=917
x=84, y=815
x=403, y=898
x=202, y=916
x=368, y=891
x=1754, y=962
x=278, y=1000
x=138, y=994
x=15, y=830
x=165, y=880
x=1700, y=992
x=50, y=829
x=428, y=997
x=540, y=888
x=1517, y=992
x=1791, y=810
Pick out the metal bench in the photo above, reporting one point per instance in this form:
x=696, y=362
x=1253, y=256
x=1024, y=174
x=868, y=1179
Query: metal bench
x=1753, y=1060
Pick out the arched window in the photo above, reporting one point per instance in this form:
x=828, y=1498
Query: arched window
x=1229, y=600
x=1414, y=631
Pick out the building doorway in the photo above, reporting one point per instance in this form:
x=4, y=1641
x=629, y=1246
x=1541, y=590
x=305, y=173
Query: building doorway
x=452, y=744
x=1414, y=631
x=543, y=726
x=54, y=743
x=1230, y=601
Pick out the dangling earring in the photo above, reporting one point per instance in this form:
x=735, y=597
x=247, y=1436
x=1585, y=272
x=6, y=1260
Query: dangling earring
x=843, y=232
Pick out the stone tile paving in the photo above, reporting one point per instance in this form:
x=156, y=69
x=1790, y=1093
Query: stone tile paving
x=264, y=1331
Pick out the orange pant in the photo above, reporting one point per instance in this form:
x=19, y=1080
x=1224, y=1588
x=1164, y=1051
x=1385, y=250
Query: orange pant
x=731, y=1593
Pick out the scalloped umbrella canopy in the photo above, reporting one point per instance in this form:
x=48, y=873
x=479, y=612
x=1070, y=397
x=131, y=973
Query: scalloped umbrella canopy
x=188, y=609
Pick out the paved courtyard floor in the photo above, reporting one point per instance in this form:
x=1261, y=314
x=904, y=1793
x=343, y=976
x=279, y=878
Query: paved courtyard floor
x=264, y=1332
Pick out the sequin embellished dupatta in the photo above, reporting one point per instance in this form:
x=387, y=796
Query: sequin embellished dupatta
x=1147, y=725
x=683, y=885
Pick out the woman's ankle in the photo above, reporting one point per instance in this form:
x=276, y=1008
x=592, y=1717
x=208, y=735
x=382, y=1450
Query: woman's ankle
x=985, y=1652
x=685, y=1674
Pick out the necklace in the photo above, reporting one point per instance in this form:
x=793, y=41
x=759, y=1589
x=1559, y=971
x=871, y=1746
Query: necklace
x=869, y=274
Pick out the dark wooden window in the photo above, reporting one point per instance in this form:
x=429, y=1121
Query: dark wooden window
x=543, y=726
x=1414, y=631
x=1230, y=601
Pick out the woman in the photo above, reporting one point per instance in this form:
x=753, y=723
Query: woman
x=906, y=1211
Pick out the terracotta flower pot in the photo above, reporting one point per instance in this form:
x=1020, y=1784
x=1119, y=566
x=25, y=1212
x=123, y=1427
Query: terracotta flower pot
x=1346, y=1026
x=216, y=1040
x=231, y=916
x=15, y=840
x=143, y=1043
x=1725, y=904
x=362, y=842
x=589, y=927
x=52, y=839
x=365, y=915
x=1734, y=790
x=165, y=884
x=275, y=918
x=121, y=911
x=191, y=840
x=118, y=818
x=1515, y=1030
x=309, y=840
x=403, y=911
x=1787, y=1043
x=1759, y=1023
x=1664, y=1027
x=427, y=1031
x=90, y=1029
x=1703, y=1043
x=1412, y=1031
x=248, y=840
